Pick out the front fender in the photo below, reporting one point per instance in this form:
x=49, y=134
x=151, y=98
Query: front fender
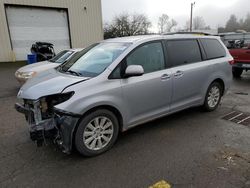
x=83, y=105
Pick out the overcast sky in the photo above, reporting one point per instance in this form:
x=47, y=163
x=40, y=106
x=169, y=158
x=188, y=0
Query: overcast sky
x=214, y=12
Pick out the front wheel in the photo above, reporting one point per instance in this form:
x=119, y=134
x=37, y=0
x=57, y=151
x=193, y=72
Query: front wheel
x=213, y=97
x=96, y=133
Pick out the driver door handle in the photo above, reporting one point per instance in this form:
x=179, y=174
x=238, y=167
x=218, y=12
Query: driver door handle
x=165, y=77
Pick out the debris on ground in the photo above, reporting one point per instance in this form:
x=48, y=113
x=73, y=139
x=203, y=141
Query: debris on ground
x=161, y=184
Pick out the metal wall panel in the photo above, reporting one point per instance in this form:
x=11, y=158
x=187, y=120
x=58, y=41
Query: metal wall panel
x=30, y=25
x=85, y=22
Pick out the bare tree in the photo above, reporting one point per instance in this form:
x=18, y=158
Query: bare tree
x=171, y=25
x=232, y=24
x=187, y=26
x=162, y=22
x=127, y=25
x=165, y=24
x=199, y=23
x=139, y=25
x=246, y=25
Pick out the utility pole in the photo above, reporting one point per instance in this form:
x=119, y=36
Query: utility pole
x=191, y=17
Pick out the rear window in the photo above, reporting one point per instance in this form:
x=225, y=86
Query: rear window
x=213, y=48
x=182, y=52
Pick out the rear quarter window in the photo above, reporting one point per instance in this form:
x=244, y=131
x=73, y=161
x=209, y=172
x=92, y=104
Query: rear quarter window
x=181, y=52
x=213, y=48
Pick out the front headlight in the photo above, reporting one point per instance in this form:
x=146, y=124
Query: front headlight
x=26, y=75
x=17, y=74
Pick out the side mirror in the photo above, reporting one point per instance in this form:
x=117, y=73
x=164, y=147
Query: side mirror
x=248, y=47
x=134, y=70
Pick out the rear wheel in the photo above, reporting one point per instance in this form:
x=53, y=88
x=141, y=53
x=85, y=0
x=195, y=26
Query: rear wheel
x=213, y=97
x=237, y=72
x=96, y=133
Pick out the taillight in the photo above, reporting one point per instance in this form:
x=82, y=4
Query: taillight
x=231, y=62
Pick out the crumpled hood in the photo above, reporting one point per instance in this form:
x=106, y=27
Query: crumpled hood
x=47, y=83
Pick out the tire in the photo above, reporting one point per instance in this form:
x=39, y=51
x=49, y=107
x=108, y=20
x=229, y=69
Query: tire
x=213, y=97
x=96, y=133
x=237, y=72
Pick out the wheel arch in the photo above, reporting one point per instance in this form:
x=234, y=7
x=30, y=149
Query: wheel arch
x=208, y=84
x=221, y=82
x=112, y=109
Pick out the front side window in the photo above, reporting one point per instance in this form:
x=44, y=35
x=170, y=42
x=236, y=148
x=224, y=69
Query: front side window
x=95, y=59
x=213, y=48
x=181, y=52
x=149, y=56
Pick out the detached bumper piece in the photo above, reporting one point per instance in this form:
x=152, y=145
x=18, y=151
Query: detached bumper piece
x=46, y=130
x=59, y=129
x=39, y=131
x=66, y=124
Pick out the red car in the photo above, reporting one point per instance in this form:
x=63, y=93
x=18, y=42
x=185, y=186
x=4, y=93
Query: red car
x=242, y=60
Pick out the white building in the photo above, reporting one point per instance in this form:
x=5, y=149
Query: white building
x=64, y=23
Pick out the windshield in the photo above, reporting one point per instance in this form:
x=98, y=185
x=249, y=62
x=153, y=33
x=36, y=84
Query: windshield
x=61, y=57
x=95, y=59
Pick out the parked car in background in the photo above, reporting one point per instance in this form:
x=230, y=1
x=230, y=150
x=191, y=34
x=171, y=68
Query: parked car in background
x=239, y=47
x=241, y=57
x=119, y=83
x=29, y=71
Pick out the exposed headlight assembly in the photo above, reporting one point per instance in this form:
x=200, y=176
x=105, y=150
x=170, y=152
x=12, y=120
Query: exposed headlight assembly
x=56, y=99
x=60, y=98
x=47, y=103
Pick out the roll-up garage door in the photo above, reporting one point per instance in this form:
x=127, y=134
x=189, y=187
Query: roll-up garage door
x=28, y=25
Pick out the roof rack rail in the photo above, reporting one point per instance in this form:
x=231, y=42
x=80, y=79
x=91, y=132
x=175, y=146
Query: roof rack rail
x=187, y=32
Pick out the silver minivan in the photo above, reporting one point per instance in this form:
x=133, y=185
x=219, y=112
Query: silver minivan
x=119, y=83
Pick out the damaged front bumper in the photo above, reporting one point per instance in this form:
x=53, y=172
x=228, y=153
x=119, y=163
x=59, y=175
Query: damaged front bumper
x=59, y=127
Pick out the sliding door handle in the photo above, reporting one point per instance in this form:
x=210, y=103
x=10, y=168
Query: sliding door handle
x=179, y=74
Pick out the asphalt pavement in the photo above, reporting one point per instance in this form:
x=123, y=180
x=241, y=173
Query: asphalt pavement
x=189, y=149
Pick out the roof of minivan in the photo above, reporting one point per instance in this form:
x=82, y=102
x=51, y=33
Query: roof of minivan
x=134, y=39
x=76, y=49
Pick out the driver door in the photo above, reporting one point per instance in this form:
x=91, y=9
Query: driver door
x=147, y=96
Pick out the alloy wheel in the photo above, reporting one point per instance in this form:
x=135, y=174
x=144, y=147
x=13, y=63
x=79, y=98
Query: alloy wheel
x=213, y=97
x=98, y=133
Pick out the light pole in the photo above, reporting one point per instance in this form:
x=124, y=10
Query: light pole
x=191, y=16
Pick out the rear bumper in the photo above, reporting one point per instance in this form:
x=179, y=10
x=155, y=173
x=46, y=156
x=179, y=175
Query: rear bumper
x=242, y=65
x=59, y=129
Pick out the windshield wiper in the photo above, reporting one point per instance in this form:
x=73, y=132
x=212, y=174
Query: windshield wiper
x=74, y=72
